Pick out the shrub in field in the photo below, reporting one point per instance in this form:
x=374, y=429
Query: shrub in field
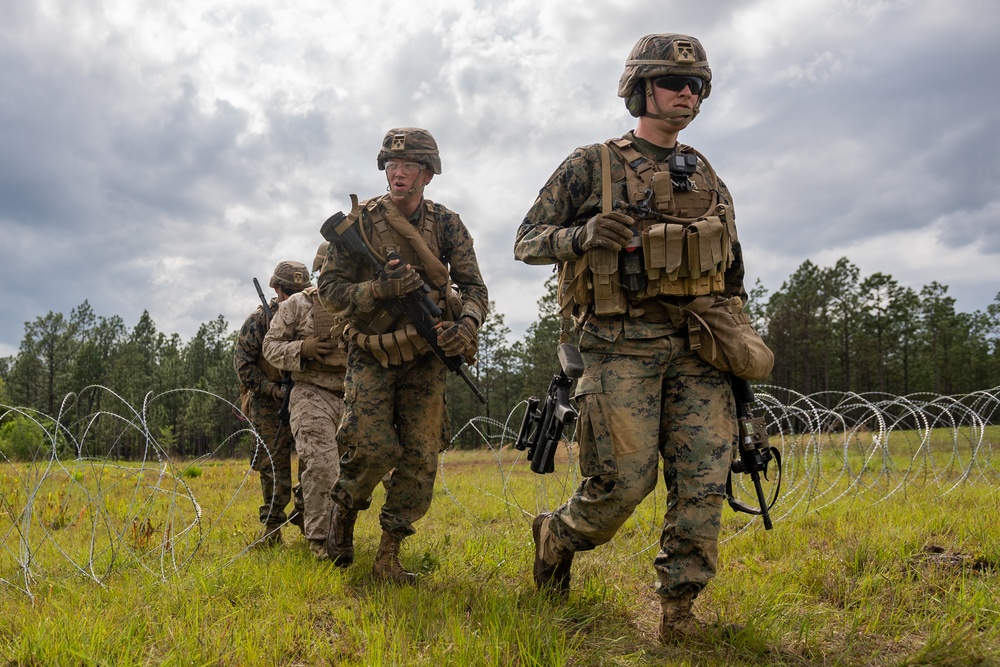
x=23, y=439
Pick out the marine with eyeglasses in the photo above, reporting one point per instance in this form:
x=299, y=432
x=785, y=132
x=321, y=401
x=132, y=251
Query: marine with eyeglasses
x=395, y=417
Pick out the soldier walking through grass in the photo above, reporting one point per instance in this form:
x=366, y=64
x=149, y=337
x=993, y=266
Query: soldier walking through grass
x=262, y=393
x=641, y=226
x=306, y=340
x=396, y=418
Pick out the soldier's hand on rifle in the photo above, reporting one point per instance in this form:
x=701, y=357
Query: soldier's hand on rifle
x=313, y=347
x=606, y=230
x=455, y=338
x=278, y=393
x=396, y=280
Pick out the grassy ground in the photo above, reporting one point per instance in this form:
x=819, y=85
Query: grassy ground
x=151, y=568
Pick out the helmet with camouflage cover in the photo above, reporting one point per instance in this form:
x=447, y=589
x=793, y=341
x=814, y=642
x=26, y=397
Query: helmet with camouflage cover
x=320, y=255
x=410, y=143
x=291, y=276
x=661, y=55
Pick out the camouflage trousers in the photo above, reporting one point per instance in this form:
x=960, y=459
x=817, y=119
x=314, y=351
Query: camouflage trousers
x=315, y=415
x=633, y=410
x=273, y=460
x=395, y=420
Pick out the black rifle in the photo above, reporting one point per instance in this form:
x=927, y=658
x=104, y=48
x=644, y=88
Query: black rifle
x=755, y=454
x=286, y=378
x=416, y=305
x=542, y=427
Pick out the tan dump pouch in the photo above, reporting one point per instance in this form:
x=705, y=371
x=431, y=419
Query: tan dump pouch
x=720, y=332
x=609, y=297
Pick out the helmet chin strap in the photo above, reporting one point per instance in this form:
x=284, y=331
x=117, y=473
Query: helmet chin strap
x=413, y=189
x=673, y=116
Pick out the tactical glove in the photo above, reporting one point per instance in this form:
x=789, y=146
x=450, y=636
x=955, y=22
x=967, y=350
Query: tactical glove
x=607, y=230
x=313, y=348
x=396, y=281
x=455, y=338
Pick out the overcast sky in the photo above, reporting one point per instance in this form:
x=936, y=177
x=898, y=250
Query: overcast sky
x=157, y=156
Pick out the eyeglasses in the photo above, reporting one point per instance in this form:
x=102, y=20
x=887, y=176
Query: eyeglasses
x=676, y=83
x=408, y=168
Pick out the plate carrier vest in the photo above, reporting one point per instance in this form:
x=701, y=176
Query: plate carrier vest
x=686, y=240
x=390, y=339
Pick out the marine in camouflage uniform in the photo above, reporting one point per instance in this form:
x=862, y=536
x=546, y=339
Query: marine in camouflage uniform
x=262, y=394
x=644, y=394
x=306, y=340
x=396, y=417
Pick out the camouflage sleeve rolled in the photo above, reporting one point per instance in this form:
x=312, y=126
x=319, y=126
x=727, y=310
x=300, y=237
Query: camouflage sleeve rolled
x=463, y=265
x=248, y=352
x=568, y=199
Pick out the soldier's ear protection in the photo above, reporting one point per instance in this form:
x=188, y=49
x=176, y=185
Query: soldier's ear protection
x=636, y=102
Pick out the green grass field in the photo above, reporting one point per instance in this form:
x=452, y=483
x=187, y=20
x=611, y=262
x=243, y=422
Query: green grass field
x=115, y=565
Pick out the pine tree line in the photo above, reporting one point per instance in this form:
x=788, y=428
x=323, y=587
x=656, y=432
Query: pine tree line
x=94, y=375
x=830, y=330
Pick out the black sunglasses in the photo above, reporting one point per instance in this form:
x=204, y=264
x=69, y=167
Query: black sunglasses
x=676, y=83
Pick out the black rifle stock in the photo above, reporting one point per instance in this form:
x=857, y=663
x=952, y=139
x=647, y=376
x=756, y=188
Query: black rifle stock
x=755, y=454
x=542, y=427
x=417, y=305
x=286, y=378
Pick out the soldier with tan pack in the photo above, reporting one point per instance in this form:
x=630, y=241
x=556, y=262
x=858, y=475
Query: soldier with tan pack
x=641, y=227
x=306, y=340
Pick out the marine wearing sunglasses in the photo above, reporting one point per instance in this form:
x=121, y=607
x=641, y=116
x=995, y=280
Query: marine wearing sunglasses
x=676, y=83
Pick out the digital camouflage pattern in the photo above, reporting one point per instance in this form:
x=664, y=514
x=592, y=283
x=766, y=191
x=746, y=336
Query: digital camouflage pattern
x=660, y=55
x=291, y=275
x=396, y=416
x=643, y=395
x=395, y=420
x=633, y=410
x=272, y=461
x=316, y=407
x=410, y=143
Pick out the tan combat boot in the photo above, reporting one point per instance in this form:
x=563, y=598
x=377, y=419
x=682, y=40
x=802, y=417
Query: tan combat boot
x=552, y=564
x=678, y=621
x=340, y=536
x=387, y=567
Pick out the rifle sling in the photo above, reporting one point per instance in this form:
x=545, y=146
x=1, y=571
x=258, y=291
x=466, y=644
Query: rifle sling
x=436, y=271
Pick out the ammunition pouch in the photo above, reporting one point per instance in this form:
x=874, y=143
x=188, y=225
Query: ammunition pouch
x=394, y=345
x=392, y=348
x=687, y=242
